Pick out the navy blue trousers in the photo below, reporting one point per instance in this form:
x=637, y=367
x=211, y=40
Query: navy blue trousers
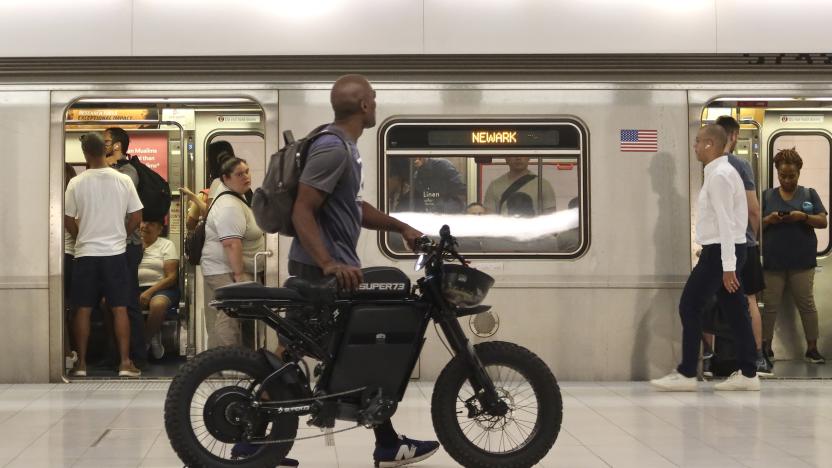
x=706, y=280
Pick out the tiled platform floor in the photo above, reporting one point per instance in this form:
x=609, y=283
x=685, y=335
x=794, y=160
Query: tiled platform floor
x=119, y=424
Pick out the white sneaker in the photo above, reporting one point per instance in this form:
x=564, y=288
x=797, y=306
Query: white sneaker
x=739, y=382
x=675, y=382
x=156, y=347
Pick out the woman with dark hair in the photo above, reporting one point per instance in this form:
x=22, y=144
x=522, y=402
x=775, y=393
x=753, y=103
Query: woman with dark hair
x=791, y=213
x=232, y=238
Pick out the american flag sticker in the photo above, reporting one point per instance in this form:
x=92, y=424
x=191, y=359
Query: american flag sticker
x=644, y=141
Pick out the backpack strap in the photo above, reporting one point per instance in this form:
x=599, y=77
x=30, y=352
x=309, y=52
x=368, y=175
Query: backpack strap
x=513, y=188
x=214, y=201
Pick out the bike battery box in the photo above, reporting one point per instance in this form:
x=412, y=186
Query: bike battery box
x=379, y=348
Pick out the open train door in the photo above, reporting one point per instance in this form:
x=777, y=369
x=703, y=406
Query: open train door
x=771, y=121
x=172, y=130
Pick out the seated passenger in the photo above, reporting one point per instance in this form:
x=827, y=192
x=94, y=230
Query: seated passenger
x=518, y=179
x=475, y=209
x=158, y=282
x=437, y=187
x=520, y=205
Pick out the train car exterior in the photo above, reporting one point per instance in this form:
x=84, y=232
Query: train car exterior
x=608, y=313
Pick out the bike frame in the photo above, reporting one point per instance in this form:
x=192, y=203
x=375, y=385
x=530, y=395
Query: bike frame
x=298, y=343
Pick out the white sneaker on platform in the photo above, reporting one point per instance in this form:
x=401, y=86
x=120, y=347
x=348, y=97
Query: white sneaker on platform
x=739, y=382
x=675, y=382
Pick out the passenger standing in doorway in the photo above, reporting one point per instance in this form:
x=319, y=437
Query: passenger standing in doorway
x=100, y=267
x=232, y=238
x=116, y=144
x=721, y=221
x=791, y=213
x=328, y=216
x=751, y=275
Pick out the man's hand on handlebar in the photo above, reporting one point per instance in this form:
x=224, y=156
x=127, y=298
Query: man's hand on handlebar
x=349, y=277
x=410, y=235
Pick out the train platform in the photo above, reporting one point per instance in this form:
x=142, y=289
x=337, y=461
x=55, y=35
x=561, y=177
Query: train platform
x=119, y=424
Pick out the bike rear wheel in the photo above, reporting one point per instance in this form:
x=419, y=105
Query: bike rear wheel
x=207, y=412
x=518, y=439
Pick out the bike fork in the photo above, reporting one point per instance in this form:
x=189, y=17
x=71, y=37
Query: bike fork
x=483, y=386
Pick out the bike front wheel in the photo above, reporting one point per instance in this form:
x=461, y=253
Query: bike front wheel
x=518, y=439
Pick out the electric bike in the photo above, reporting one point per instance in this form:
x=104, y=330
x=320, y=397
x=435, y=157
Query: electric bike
x=348, y=356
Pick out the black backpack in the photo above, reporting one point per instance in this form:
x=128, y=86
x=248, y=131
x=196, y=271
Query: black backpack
x=154, y=192
x=273, y=202
x=195, y=240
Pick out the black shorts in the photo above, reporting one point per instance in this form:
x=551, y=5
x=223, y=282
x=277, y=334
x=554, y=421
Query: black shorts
x=751, y=275
x=97, y=277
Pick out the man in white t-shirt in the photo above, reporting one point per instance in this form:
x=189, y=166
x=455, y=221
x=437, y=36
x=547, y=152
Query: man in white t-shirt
x=96, y=204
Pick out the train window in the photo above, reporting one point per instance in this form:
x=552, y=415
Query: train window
x=507, y=188
x=249, y=146
x=816, y=150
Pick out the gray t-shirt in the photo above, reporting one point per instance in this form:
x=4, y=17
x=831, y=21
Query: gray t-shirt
x=335, y=171
x=124, y=166
x=747, y=176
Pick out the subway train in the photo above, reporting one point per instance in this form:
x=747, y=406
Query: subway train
x=611, y=134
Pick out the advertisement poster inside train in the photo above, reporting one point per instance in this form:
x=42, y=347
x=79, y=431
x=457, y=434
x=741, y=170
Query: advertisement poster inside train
x=152, y=149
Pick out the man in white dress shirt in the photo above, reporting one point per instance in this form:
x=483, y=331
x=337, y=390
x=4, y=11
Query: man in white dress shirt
x=721, y=220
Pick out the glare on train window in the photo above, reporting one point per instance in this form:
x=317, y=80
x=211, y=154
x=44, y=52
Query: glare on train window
x=815, y=149
x=506, y=188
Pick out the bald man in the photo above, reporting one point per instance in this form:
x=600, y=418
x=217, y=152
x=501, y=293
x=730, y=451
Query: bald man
x=721, y=220
x=328, y=216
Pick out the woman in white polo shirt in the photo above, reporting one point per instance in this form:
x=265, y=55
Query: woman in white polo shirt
x=232, y=238
x=158, y=282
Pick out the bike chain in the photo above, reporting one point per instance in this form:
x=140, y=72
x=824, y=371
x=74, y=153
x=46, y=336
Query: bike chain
x=270, y=442
x=311, y=400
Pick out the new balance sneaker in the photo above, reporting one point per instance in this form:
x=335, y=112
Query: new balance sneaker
x=156, y=348
x=739, y=382
x=675, y=382
x=764, y=367
x=242, y=450
x=407, y=451
x=814, y=357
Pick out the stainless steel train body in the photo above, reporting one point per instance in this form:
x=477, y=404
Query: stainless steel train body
x=609, y=313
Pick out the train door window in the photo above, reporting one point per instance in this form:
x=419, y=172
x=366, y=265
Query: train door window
x=512, y=188
x=248, y=146
x=815, y=150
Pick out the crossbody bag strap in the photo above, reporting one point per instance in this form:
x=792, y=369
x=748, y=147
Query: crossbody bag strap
x=513, y=188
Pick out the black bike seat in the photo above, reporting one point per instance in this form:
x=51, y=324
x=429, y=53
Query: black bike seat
x=255, y=290
x=324, y=290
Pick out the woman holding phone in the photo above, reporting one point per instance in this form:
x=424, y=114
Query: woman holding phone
x=791, y=213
